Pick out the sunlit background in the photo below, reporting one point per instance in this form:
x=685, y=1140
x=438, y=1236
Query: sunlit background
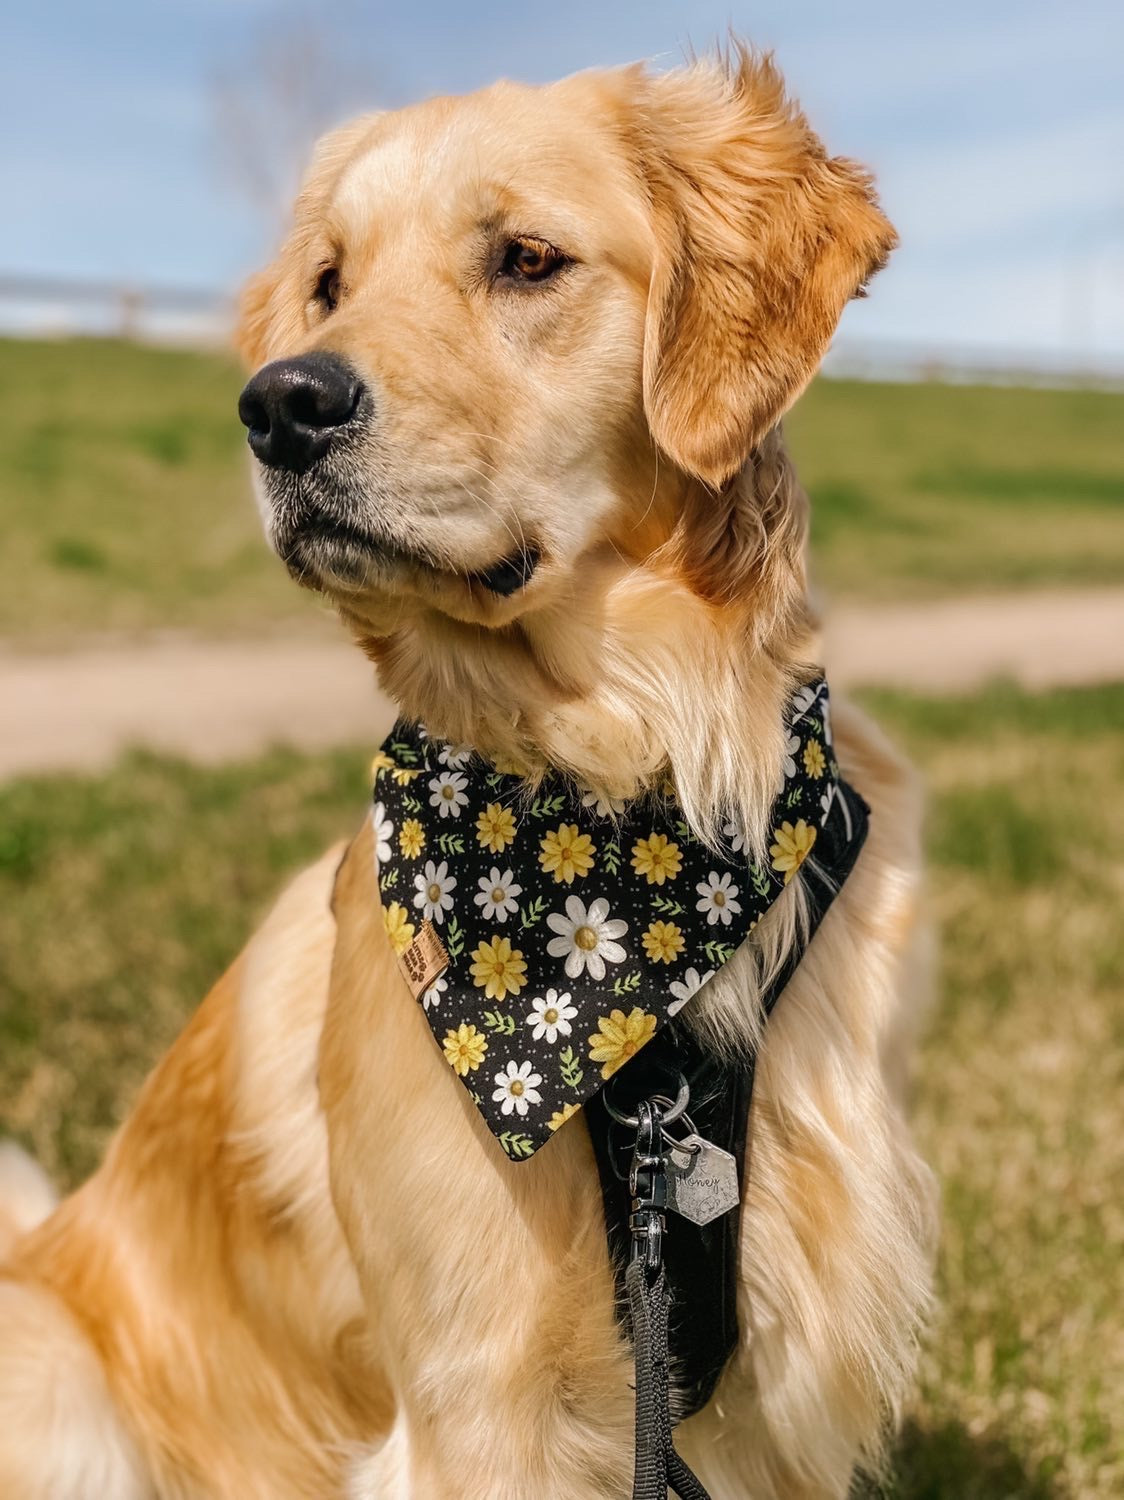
x=180, y=728
x=155, y=146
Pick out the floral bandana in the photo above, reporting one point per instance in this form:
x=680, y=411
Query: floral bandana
x=549, y=935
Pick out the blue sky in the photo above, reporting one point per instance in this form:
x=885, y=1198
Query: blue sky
x=996, y=130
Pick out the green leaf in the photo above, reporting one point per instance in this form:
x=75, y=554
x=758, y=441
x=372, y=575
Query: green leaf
x=533, y=912
x=759, y=880
x=572, y=1073
x=793, y=797
x=611, y=856
x=516, y=1144
x=389, y=880
x=547, y=807
x=628, y=985
x=496, y=1021
x=718, y=953
x=411, y=804
x=405, y=753
x=450, y=843
x=667, y=907
x=454, y=938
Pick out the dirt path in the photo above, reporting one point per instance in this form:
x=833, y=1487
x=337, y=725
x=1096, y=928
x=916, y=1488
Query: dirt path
x=213, y=701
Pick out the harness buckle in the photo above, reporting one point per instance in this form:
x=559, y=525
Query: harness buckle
x=647, y=1229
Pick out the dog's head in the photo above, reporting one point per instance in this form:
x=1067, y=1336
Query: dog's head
x=511, y=335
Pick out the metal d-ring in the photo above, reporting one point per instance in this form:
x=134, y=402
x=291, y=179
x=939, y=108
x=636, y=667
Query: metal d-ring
x=692, y=1149
x=672, y=1113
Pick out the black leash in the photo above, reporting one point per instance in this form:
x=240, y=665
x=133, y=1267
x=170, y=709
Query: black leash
x=658, y=1466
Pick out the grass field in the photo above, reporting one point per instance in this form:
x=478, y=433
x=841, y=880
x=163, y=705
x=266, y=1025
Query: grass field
x=126, y=501
x=122, y=897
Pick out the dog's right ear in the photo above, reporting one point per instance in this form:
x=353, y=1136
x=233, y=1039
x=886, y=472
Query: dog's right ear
x=271, y=307
x=251, y=333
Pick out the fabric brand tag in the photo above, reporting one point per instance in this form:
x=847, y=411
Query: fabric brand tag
x=424, y=961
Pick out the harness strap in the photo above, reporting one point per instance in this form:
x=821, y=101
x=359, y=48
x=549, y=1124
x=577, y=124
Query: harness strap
x=700, y=1289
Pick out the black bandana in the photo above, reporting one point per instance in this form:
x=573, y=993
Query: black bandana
x=549, y=935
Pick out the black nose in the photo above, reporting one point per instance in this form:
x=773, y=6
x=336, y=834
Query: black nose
x=295, y=407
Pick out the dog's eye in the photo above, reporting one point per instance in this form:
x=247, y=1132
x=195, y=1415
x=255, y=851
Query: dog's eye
x=327, y=291
x=530, y=259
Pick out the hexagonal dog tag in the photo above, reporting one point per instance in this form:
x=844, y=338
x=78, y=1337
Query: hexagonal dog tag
x=701, y=1184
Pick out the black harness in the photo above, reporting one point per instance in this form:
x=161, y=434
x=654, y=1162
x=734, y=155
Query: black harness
x=682, y=1313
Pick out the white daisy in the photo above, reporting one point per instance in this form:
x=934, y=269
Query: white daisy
x=683, y=989
x=449, y=794
x=435, y=887
x=603, y=806
x=802, y=701
x=718, y=898
x=586, y=937
x=497, y=895
x=791, y=751
x=454, y=756
x=432, y=996
x=384, y=832
x=551, y=1016
x=734, y=831
x=825, y=711
x=517, y=1087
x=826, y=800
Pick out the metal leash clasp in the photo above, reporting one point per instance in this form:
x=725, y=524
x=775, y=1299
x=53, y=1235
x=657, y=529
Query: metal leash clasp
x=647, y=1181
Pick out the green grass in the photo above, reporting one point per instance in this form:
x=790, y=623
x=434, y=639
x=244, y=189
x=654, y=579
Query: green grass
x=122, y=896
x=126, y=498
x=945, y=489
x=1018, y=1094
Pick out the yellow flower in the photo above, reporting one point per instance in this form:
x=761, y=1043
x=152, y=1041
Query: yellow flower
x=380, y=762
x=399, y=928
x=464, y=1048
x=619, y=1037
x=792, y=847
x=656, y=858
x=411, y=838
x=813, y=759
x=560, y=1116
x=498, y=968
x=663, y=942
x=495, y=827
x=403, y=777
x=567, y=853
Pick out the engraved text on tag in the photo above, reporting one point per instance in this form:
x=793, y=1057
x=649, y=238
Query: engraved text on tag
x=702, y=1184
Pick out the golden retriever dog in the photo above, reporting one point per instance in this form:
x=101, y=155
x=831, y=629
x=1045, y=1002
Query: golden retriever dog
x=521, y=365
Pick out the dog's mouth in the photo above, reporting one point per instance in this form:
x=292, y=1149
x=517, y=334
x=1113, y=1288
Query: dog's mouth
x=324, y=550
x=511, y=573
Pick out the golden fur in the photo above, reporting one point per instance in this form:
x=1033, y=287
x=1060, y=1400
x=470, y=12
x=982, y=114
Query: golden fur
x=305, y=1267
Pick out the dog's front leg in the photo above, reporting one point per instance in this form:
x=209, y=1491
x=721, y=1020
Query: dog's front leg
x=486, y=1281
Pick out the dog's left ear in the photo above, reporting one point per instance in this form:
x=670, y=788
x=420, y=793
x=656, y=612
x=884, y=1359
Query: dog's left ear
x=761, y=239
